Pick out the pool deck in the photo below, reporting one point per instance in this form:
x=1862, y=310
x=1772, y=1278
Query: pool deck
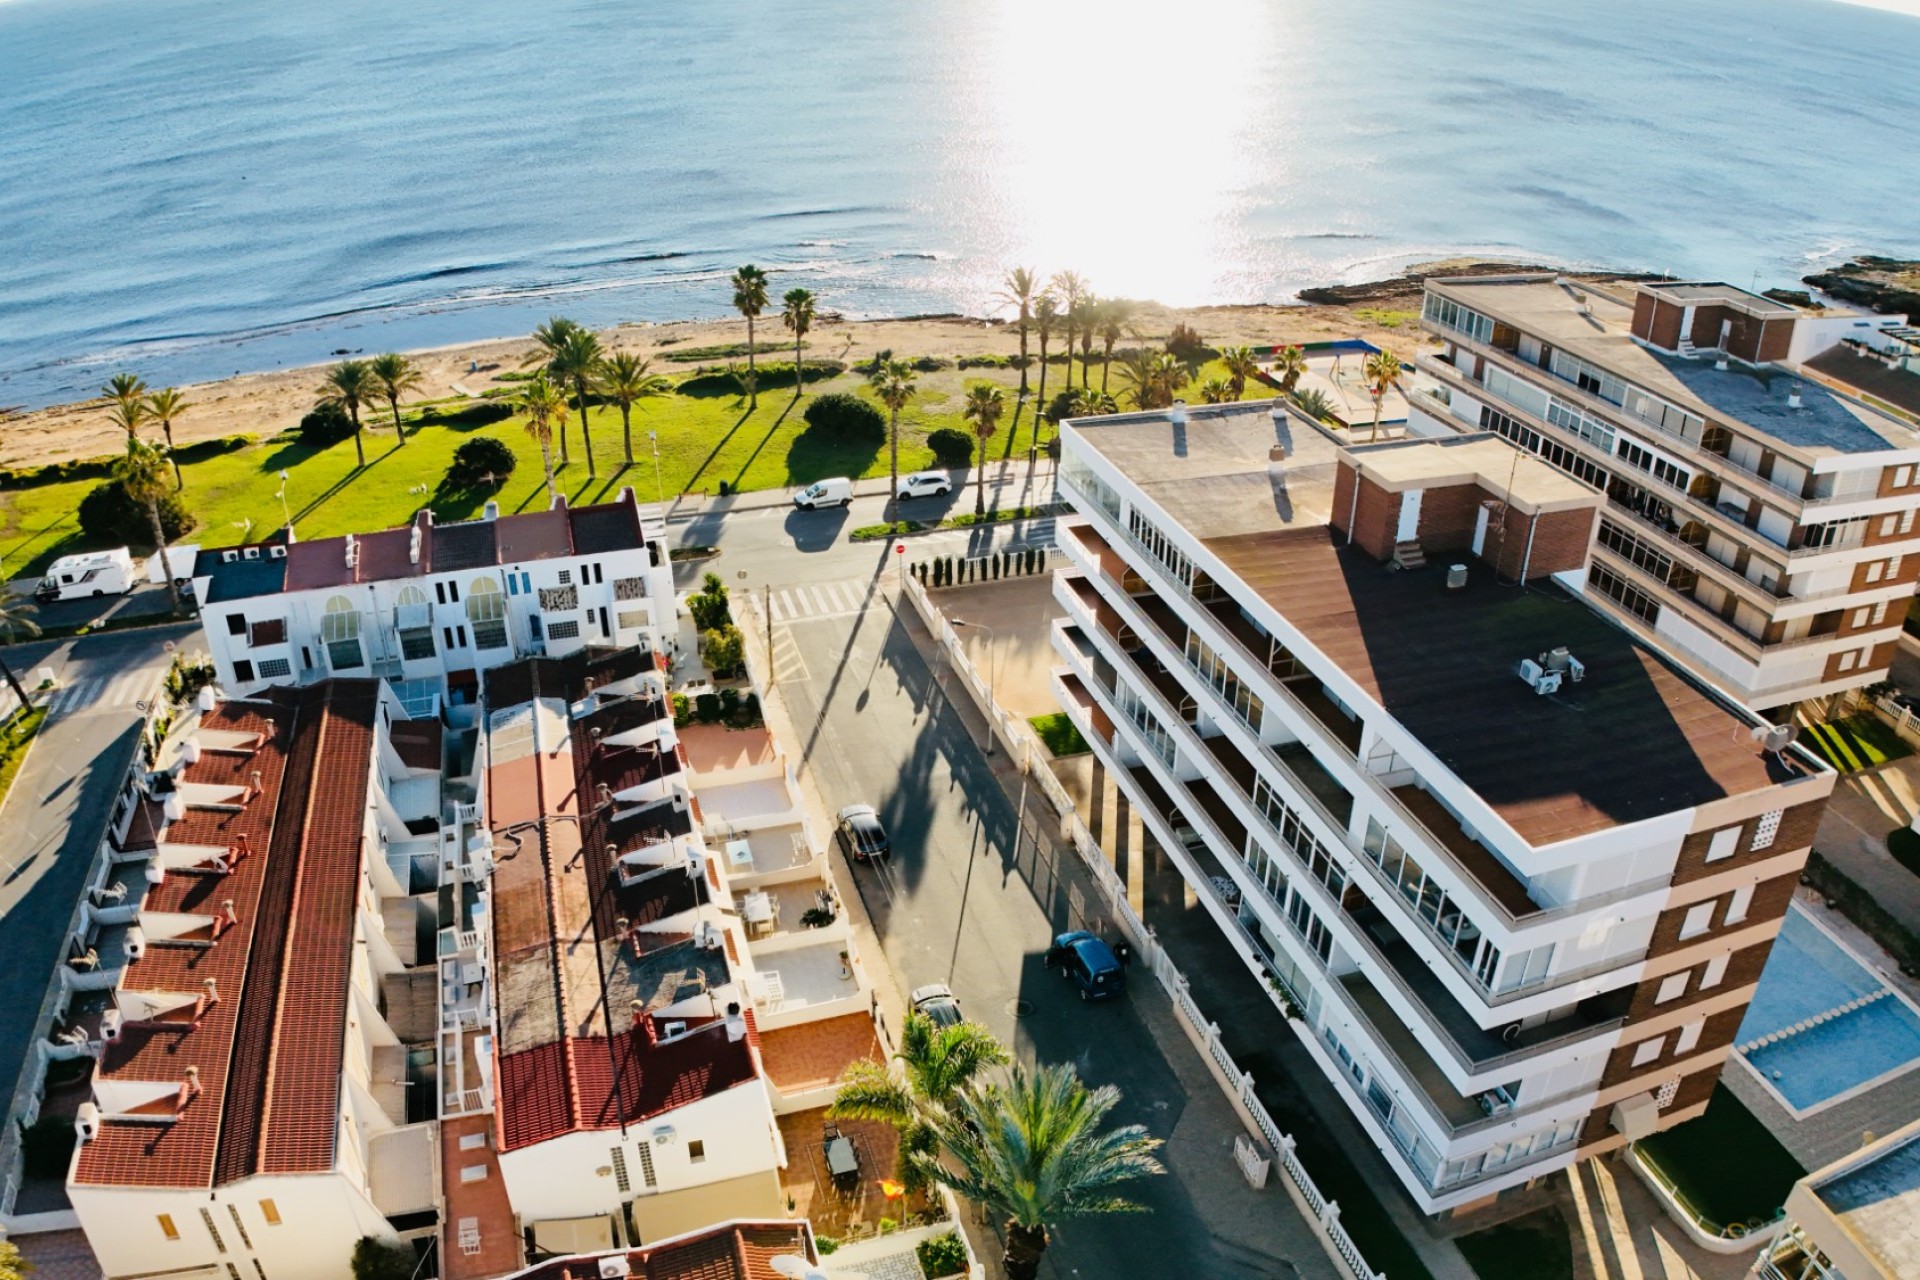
x=1822, y=1136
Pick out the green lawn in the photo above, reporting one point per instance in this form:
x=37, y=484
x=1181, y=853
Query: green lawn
x=14, y=741
x=1724, y=1164
x=1858, y=742
x=704, y=440
x=1058, y=734
x=1537, y=1246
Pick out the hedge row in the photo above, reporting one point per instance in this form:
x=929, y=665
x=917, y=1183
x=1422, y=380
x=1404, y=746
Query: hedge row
x=708, y=381
x=101, y=467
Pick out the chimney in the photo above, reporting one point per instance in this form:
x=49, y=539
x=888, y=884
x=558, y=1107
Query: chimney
x=736, y=1022
x=1793, y=397
x=491, y=511
x=213, y=992
x=189, y=1089
x=639, y=1012
x=353, y=551
x=226, y=920
x=413, y=546
x=1177, y=414
x=559, y=502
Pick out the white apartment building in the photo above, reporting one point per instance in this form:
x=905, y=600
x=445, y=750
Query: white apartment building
x=1856, y=1219
x=1517, y=873
x=429, y=605
x=1761, y=518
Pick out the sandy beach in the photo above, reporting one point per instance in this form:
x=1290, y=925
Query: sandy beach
x=263, y=404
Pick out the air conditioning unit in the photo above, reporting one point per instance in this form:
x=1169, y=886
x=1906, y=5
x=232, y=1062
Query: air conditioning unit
x=613, y=1266
x=1781, y=736
x=663, y=1135
x=229, y=557
x=252, y=553
x=276, y=553
x=673, y=1029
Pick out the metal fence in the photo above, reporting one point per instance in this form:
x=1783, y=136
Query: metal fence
x=1015, y=738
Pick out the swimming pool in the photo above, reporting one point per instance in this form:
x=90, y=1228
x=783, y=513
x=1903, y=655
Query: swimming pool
x=1822, y=1024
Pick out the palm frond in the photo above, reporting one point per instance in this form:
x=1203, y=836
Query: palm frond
x=868, y=1091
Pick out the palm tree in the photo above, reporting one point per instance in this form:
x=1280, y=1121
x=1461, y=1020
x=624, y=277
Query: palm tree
x=16, y=615
x=1021, y=286
x=1155, y=376
x=938, y=1065
x=1314, y=402
x=1115, y=315
x=544, y=404
x=1240, y=366
x=985, y=403
x=1074, y=296
x=128, y=393
x=163, y=406
x=1216, y=391
x=1046, y=313
x=574, y=362
x=1382, y=371
x=892, y=380
x=349, y=385
x=1289, y=362
x=625, y=378
x=749, y=299
x=1092, y=312
x=552, y=337
x=142, y=473
x=1032, y=1151
x=796, y=313
x=396, y=375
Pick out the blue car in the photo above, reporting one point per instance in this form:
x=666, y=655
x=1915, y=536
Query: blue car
x=1088, y=962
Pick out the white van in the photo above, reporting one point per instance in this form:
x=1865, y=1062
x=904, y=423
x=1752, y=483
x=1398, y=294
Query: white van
x=96, y=573
x=835, y=491
x=180, y=559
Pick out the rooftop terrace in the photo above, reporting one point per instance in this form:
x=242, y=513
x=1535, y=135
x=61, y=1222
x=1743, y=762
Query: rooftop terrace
x=1878, y=1202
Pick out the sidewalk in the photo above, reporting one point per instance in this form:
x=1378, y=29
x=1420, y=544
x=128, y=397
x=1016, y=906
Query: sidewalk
x=1853, y=835
x=1031, y=487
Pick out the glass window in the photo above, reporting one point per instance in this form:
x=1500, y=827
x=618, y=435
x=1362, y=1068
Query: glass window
x=340, y=633
x=487, y=611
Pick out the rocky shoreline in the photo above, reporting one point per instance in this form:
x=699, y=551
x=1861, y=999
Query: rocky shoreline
x=1886, y=285
x=1410, y=283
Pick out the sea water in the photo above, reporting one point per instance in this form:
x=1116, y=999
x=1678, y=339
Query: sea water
x=195, y=187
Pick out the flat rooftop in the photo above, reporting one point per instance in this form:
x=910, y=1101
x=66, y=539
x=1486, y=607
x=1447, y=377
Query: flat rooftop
x=1695, y=292
x=1633, y=740
x=1213, y=475
x=1480, y=458
x=1598, y=326
x=1879, y=1205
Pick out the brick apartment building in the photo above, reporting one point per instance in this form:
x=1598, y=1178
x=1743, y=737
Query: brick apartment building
x=1516, y=871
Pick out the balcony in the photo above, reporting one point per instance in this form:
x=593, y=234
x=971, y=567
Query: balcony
x=1469, y=855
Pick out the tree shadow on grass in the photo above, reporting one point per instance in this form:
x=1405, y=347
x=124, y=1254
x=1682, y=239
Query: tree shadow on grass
x=773, y=427
x=328, y=494
x=816, y=454
x=721, y=443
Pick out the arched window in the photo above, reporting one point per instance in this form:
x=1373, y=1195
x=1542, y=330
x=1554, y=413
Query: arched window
x=413, y=623
x=340, y=632
x=487, y=611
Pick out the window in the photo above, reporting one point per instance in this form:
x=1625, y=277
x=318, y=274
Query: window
x=1552, y=451
x=1893, y=566
x=340, y=633
x=1875, y=569
x=1635, y=551
x=474, y=1173
x=236, y=624
x=1075, y=474
x=620, y=1178
x=1879, y=614
x=1739, y=903
x=1151, y=540
x=1672, y=987
x=1635, y=454
x=1849, y=660
x=1902, y=477
x=697, y=1151
x=1649, y=1051
x=1714, y=973
x=1699, y=919
x=1889, y=525
x=275, y=669
x=440, y=592
x=487, y=611
x=566, y=577
x=246, y=1241
x=243, y=672
x=566, y=630
x=1451, y=315
x=167, y=1228
x=448, y=633
x=645, y=1152
x=1723, y=844
x=1765, y=831
x=1835, y=534
x=416, y=644
x=1623, y=593
x=218, y=1243
x=1689, y=1036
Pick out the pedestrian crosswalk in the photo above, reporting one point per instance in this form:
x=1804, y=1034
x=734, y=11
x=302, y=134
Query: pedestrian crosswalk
x=822, y=599
x=104, y=692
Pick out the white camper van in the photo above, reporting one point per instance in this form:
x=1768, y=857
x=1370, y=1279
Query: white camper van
x=96, y=573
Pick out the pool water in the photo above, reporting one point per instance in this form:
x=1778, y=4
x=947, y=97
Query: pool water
x=1811, y=977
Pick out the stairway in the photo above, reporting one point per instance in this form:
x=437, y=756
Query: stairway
x=1408, y=555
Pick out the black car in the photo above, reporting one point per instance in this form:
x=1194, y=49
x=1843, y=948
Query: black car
x=861, y=835
x=1089, y=963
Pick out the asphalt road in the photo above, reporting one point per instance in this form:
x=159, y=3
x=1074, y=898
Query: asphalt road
x=954, y=906
x=56, y=814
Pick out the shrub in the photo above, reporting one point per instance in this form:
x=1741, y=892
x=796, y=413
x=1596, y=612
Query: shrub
x=682, y=711
x=708, y=381
x=377, y=1260
x=706, y=709
x=932, y=364
x=480, y=463
x=709, y=605
x=729, y=703
x=847, y=416
x=990, y=362
x=825, y=1245
x=200, y=450
x=951, y=447
x=1185, y=343
x=328, y=424
x=942, y=1256
x=110, y=517
x=725, y=649
x=476, y=414
x=187, y=676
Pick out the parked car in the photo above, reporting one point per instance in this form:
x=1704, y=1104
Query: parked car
x=836, y=491
x=861, y=834
x=1089, y=962
x=938, y=1002
x=924, y=484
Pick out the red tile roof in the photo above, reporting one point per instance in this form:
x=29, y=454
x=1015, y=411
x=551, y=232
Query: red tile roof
x=734, y=1251
x=269, y=1050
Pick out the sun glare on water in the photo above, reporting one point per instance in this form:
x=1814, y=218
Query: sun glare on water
x=1114, y=140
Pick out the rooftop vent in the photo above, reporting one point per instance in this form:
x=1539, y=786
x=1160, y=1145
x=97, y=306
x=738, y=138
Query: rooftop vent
x=413, y=546
x=1721, y=364
x=1561, y=661
x=252, y=553
x=353, y=551
x=1456, y=576
x=1793, y=397
x=491, y=511
x=276, y=553
x=1178, y=413
x=229, y=557
x=1276, y=453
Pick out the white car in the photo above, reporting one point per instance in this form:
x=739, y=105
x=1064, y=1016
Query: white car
x=924, y=484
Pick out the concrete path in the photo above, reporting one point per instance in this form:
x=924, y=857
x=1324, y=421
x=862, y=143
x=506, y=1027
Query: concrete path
x=1621, y=1232
x=1853, y=834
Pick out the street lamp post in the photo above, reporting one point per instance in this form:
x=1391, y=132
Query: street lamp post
x=659, y=489
x=992, y=645
x=285, y=509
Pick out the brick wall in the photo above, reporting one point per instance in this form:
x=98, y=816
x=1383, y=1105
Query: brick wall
x=1906, y=572
x=1770, y=898
x=1797, y=825
x=1447, y=517
x=1376, y=518
x=1561, y=541
x=1657, y=321
x=1879, y=658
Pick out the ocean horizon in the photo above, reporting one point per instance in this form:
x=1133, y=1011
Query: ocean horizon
x=200, y=187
